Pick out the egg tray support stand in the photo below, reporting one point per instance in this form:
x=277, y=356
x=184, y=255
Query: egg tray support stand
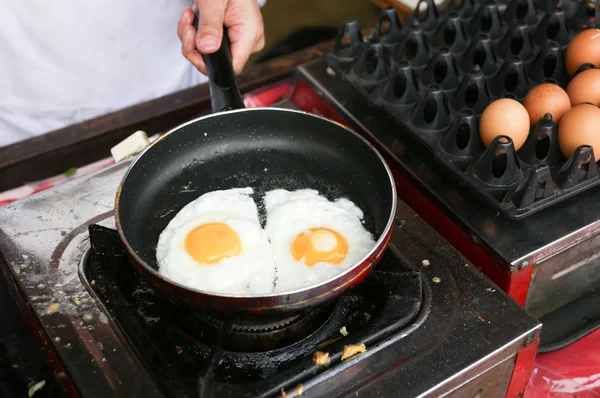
x=435, y=74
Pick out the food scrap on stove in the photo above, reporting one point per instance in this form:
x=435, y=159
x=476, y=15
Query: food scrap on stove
x=298, y=390
x=343, y=331
x=52, y=308
x=321, y=358
x=283, y=394
x=35, y=388
x=352, y=350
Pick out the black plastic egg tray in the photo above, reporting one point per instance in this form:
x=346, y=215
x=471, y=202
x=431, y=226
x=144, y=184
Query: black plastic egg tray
x=437, y=71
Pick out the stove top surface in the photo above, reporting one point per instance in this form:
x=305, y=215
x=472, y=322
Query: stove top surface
x=444, y=325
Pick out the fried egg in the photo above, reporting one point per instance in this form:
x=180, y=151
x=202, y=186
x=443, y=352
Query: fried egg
x=216, y=244
x=312, y=238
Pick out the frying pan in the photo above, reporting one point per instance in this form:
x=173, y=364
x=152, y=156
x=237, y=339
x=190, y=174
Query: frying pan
x=264, y=148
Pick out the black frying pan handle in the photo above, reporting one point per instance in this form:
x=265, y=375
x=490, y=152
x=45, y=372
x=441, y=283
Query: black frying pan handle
x=224, y=92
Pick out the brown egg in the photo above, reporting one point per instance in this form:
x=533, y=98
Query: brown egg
x=579, y=126
x=546, y=98
x=585, y=87
x=583, y=49
x=504, y=117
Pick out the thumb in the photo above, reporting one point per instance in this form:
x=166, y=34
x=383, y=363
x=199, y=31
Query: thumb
x=210, y=25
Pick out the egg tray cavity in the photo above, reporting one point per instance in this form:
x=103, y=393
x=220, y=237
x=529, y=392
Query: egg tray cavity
x=437, y=71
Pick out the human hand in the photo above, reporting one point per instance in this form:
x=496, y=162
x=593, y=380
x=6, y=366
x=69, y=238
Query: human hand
x=245, y=27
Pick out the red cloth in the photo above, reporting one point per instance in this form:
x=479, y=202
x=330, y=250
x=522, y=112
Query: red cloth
x=573, y=371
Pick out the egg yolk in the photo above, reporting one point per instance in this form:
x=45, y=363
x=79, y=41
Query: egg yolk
x=210, y=243
x=320, y=245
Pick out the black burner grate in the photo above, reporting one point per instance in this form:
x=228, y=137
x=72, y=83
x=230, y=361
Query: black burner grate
x=191, y=354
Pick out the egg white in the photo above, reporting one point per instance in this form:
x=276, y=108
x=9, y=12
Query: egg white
x=249, y=273
x=290, y=213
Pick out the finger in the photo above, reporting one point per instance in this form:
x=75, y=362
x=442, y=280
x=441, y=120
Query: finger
x=189, y=50
x=246, y=31
x=242, y=43
x=259, y=45
x=187, y=17
x=210, y=25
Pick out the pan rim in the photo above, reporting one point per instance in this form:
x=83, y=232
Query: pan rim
x=380, y=241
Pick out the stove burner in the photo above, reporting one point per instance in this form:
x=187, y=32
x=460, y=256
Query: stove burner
x=189, y=354
x=249, y=336
x=249, y=326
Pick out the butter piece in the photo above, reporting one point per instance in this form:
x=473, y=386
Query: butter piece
x=130, y=146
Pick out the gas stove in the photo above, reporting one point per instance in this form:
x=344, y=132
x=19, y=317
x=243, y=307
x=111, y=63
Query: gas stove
x=431, y=323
